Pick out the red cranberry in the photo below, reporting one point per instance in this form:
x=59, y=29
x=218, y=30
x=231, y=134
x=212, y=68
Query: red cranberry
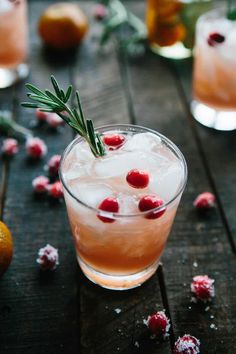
x=150, y=202
x=215, y=38
x=100, y=12
x=53, y=165
x=187, y=345
x=41, y=116
x=36, y=148
x=114, y=140
x=54, y=121
x=203, y=287
x=40, y=184
x=48, y=258
x=55, y=190
x=109, y=205
x=204, y=201
x=137, y=178
x=158, y=323
x=10, y=147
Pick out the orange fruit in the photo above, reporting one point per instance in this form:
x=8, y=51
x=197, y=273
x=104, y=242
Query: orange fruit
x=6, y=247
x=63, y=25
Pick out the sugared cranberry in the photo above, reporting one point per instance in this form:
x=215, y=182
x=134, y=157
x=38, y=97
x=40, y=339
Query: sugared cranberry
x=203, y=287
x=40, y=184
x=149, y=202
x=55, y=190
x=41, y=116
x=53, y=165
x=54, y=121
x=36, y=148
x=215, y=38
x=48, y=258
x=114, y=140
x=187, y=345
x=158, y=323
x=204, y=201
x=100, y=12
x=137, y=178
x=110, y=205
x=10, y=147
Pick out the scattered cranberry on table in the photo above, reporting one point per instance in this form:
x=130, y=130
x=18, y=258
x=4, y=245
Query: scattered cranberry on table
x=53, y=165
x=100, y=12
x=41, y=116
x=10, y=147
x=54, y=121
x=36, y=148
x=55, y=190
x=40, y=184
x=48, y=258
x=187, y=345
x=204, y=201
x=203, y=287
x=158, y=323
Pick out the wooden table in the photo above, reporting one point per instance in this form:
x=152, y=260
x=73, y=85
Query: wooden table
x=62, y=312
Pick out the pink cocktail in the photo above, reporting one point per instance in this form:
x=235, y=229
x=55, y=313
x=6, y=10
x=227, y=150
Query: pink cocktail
x=214, y=79
x=120, y=249
x=13, y=39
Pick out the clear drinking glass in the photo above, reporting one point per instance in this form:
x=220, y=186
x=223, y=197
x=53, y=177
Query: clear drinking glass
x=13, y=41
x=171, y=25
x=125, y=252
x=214, y=76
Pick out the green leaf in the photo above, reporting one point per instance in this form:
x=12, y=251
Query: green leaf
x=56, y=86
x=68, y=93
x=35, y=90
x=231, y=15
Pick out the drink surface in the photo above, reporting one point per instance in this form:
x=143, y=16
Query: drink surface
x=13, y=33
x=132, y=242
x=214, y=82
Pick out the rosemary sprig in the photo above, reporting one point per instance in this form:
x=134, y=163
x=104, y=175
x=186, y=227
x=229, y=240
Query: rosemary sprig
x=57, y=102
x=9, y=127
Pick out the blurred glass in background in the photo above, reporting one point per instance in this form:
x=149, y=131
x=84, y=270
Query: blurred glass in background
x=13, y=41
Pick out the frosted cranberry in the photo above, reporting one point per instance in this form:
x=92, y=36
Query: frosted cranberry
x=187, y=345
x=109, y=205
x=55, y=190
x=137, y=178
x=158, y=323
x=114, y=140
x=204, y=201
x=40, y=184
x=10, y=147
x=100, y=12
x=36, y=148
x=203, y=287
x=48, y=258
x=53, y=165
x=54, y=121
x=150, y=202
x=41, y=116
x=215, y=38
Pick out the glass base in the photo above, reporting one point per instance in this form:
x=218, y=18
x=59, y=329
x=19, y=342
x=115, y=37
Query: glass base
x=176, y=51
x=213, y=118
x=10, y=76
x=117, y=282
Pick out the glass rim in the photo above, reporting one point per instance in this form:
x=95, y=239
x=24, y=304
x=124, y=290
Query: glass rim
x=113, y=215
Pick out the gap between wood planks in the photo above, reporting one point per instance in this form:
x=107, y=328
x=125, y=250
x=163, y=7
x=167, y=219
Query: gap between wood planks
x=6, y=162
x=186, y=107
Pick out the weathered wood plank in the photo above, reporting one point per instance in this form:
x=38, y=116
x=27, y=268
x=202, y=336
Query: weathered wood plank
x=193, y=239
x=38, y=311
x=98, y=77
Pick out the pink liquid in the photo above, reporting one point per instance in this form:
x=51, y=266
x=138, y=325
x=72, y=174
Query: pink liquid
x=13, y=33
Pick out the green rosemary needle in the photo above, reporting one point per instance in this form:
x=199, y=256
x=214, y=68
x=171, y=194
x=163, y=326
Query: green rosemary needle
x=57, y=102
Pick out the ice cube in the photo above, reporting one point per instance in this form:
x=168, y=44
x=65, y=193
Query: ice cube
x=75, y=171
x=128, y=204
x=83, y=152
x=5, y=6
x=92, y=194
x=166, y=184
x=123, y=162
x=228, y=47
x=143, y=142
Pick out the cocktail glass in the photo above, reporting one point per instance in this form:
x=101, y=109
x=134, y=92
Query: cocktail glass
x=124, y=251
x=13, y=41
x=171, y=25
x=214, y=76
